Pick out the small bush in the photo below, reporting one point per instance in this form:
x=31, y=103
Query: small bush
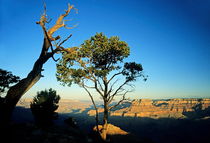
x=43, y=107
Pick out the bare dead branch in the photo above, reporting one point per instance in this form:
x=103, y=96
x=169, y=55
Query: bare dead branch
x=70, y=27
x=45, y=48
x=55, y=59
x=48, y=34
x=59, y=23
x=111, y=87
x=65, y=40
x=120, y=91
x=45, y=9
x=119, y=102
x=43, y=18
x=76, y=10
x=119, y=88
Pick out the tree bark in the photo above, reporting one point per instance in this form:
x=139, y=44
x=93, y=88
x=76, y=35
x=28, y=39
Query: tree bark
x=18, y=90
x=105, y=121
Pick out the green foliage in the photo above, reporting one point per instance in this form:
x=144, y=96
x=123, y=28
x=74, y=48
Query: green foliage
x=104, y=51
x=44, y=105
x=132, y=70
x=95, y=65
x=97, y=57
x=6, y=80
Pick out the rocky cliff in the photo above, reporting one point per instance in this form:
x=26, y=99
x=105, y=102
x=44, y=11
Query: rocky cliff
x=173, y=108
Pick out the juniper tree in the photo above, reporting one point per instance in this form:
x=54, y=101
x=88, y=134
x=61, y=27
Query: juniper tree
x=98, y=64
x=44, y=105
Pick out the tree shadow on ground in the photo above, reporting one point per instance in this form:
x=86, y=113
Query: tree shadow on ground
x=22, y=128
x=162, y=130
x=142, y=130
x=22, y=114
x=198, y=112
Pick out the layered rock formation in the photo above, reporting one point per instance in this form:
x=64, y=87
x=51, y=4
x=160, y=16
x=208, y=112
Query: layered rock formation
x=172, y=108
x=162, y=108
x=112, y=130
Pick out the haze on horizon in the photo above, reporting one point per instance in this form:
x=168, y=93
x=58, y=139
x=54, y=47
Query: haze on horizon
x=171, y=39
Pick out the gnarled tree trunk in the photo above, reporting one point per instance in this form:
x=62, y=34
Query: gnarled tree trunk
x=18, y=90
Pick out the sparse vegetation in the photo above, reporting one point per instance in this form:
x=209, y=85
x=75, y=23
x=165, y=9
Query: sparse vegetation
x=6, y=80
x=44, y=105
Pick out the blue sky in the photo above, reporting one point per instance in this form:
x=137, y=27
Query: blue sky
x=170, y=38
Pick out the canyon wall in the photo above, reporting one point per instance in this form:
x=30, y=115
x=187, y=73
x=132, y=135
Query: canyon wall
x=171, y=108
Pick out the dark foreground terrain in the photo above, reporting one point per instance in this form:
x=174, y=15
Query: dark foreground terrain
x=142, y=130
x=164, y=130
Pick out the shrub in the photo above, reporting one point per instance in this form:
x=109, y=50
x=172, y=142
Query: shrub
x=44, y=105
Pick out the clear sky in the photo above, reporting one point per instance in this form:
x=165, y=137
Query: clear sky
x=170, y=38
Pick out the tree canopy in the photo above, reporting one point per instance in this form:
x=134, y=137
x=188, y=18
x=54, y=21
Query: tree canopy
x=6, y=80
x=99, y=64
x=97, y=57
x=44, y=105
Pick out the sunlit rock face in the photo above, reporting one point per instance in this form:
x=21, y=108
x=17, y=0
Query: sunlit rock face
x=112, y=130
x=170, y=108
x=173, y=108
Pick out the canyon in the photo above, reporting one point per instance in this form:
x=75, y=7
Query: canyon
x=156, y=121
x=170, y=108
x=165, y=108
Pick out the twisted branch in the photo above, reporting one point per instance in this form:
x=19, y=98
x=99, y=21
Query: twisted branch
x=59, y=23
